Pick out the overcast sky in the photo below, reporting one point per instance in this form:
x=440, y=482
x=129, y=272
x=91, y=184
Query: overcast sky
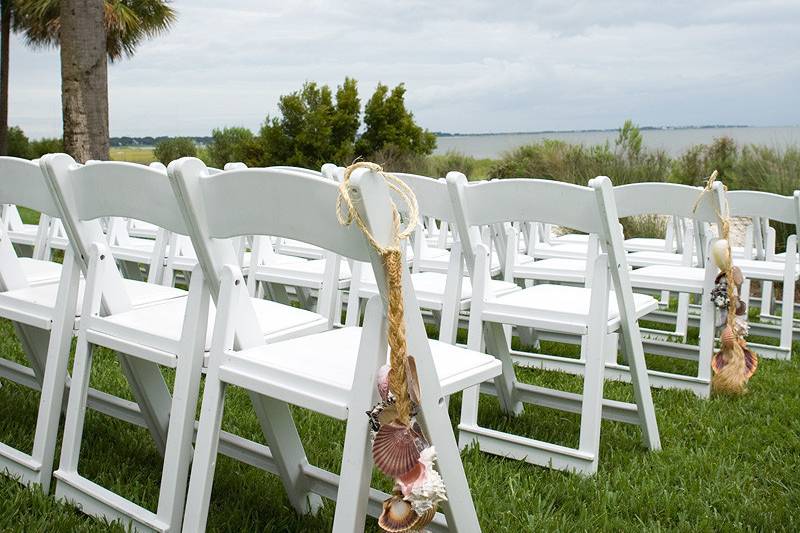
x=468, y=65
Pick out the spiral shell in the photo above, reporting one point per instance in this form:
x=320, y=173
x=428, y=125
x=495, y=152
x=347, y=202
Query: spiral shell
x=412, y=380
x=396, y=449
x=398, y=516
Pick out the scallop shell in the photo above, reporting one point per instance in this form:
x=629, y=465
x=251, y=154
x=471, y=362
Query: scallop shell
x=398, y=516
x=727, y=337
x=741, y=308
x=396, y=449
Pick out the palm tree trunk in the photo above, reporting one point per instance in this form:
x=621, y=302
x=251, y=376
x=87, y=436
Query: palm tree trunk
x=84, y=79
x=5, y=34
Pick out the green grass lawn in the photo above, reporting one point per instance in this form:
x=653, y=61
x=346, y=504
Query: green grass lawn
x=133, y=154
x=726, y=464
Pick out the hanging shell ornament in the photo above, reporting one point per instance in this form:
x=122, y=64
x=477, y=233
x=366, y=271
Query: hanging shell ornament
x=734, y=363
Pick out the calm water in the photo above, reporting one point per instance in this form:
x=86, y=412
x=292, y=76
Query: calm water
x=673, y=142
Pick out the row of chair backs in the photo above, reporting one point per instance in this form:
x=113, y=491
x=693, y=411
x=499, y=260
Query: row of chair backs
x=669, y=199
x=767, y=205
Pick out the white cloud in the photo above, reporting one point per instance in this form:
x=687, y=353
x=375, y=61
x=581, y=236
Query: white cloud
x=468, y=65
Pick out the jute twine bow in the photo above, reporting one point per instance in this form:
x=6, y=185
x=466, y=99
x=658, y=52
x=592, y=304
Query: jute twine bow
x=393, y=269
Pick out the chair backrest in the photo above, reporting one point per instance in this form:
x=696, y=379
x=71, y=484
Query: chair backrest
x=492, y=202
x=22, y=183
x=669, y=199
x=282, y=203
x=432, y=197
x=85, y=193
x=756, y=204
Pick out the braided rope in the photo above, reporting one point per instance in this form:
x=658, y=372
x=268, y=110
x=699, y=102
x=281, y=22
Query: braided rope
x=393, y=269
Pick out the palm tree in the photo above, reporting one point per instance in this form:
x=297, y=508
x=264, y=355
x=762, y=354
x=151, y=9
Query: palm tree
x=5, y=37
x=122, y=25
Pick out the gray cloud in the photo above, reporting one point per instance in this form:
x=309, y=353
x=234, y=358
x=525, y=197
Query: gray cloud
x=468, y=65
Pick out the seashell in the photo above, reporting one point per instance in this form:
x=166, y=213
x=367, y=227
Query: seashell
x=383, y=382
x=398, y=516
x=412, y=379
x=396, y=449
x=741, y=308
x=750, y=362
x=727, y=338
x=721, y=254
x=738, y=277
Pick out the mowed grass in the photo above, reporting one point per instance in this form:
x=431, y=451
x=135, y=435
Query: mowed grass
x=133, y=154
x=727, y=464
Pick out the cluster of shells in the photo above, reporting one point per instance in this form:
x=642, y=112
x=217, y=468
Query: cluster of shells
x=396, y=451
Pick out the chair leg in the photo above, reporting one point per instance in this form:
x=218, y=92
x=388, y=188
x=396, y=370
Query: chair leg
x=505, y=383
x=682, y=318
x=592, y=405
x=354, y=481
x=205, y=454
x=287, y=450
x=766, y=298
x=178, y=453
x=435, y=422
x=151, y=394
x=787, y=314
x=76, y=408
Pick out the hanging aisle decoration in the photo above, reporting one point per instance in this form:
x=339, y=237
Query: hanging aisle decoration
x=734, y=363
x=399, y=448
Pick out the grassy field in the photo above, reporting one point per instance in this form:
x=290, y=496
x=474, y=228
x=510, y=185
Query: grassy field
x=726, y=464
x=133, y=154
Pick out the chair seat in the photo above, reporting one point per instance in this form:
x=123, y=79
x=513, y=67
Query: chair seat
x=643, y=259
x=39, y=272
x=429, y=288
x=307, y=274
x=558, y=308
x=142, y=229
x=186, y=263
x=644, y=244
x=570, y=238
x=35, y=305
x=299, y=249
x=669, y=278
x=781, y=257
x=568, y=250
x=135, y=250
x=438, y=260
x=317, y=371
x=553, y=269
x=159, y=326
x=764, y=270
x=24, y=234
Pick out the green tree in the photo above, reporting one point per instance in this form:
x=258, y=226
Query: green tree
x=310, y=129
x=47, y=145
x=629, y=141
x=18, y=144
x=389, y=123
x=169, y=150
x=229, y=145
x=88, y=32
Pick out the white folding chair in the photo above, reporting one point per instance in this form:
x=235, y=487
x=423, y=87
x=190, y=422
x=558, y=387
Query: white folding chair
x=446, y=294
x=44, y=316
x=593, y=314
x=333, y=372
x=685, y=278
x=786, y=209
x=171, y=334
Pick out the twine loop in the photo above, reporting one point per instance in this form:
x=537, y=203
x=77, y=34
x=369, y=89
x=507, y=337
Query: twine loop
x=392, y=258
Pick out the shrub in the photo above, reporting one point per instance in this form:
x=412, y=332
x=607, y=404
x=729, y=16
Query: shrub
x=440, y=165
x=47, y=145
x=229, y=145
x=395, y=159
x=169, y=150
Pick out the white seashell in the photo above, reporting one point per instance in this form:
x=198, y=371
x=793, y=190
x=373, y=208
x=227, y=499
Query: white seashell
x=721, y=254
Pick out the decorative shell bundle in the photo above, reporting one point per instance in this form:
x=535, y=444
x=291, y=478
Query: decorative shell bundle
x=734, y=363
x=400, y=451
